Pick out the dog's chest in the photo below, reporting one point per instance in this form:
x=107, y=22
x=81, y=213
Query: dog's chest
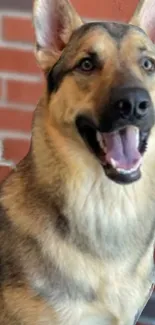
x=113, y=220
x=116, y=225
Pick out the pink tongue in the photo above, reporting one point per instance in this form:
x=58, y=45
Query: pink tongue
x=122, y=147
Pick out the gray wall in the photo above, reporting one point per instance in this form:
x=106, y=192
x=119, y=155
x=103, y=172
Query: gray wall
x=16, y=4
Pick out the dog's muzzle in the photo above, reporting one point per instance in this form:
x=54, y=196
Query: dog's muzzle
x=121, y=137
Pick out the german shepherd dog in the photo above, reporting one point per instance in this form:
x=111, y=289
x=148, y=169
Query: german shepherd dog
x=77, y=216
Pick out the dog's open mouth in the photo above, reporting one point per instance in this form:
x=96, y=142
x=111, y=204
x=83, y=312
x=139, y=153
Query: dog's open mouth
x=119, y=152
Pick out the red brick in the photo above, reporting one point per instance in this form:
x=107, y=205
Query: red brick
x=18, y=29
x=15, y=149
x=14, y=60
x=11, y=119
x=107, y=9
x=24, y=92
x=4, y=172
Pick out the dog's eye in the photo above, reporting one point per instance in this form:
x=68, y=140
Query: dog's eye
x=86, y=65
x=148, y=64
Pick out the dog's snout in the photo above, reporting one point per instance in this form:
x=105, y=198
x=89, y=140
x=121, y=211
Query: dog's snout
x=131, y=102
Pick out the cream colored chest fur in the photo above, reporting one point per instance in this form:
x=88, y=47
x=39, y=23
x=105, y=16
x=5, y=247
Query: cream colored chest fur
x=117, y=223
x=122, y=236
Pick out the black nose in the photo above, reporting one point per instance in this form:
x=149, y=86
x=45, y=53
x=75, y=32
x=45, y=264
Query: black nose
x=131, y=102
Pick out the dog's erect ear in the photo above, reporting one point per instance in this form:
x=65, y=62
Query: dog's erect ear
x=144, y=17
x=54, y=23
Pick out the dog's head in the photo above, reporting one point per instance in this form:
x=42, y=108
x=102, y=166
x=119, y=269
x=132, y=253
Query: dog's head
x=100, y=83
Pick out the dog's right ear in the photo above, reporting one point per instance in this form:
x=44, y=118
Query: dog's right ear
x=54, y=23
x=144, y=17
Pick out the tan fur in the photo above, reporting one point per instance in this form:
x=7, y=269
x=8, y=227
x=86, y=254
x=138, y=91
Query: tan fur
x=75, y=247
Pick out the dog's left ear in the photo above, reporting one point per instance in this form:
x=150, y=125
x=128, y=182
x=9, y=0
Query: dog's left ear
x=54, y=23
x=144, y=17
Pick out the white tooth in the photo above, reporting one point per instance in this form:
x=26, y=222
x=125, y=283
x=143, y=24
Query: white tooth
x=138, y=164
x=100, y=141
x=123, y=171
x=98, y=135
x=113, y=162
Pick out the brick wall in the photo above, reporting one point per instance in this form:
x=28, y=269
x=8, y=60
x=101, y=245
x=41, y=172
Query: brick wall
x=21, y=84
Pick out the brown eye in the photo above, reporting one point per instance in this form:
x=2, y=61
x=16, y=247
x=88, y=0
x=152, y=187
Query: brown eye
x=148, y=64
x=86, y=65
